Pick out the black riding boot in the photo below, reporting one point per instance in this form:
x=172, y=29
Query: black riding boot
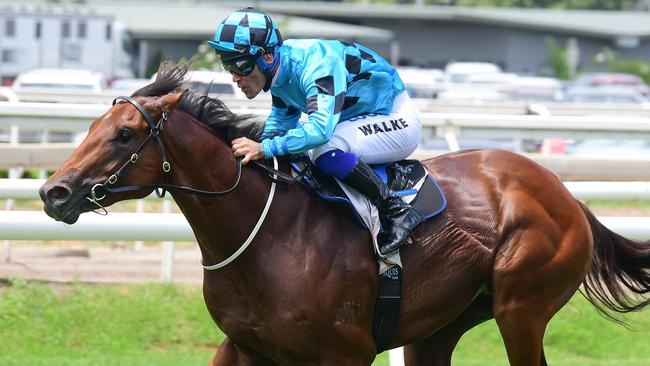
x=398, y=219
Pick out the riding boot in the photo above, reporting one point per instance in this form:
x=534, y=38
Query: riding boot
x=398, y=219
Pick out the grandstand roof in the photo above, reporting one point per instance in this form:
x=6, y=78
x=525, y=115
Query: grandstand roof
x=608, y=24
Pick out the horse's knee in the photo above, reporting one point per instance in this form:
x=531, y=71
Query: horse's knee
x=231, y=354
x=226, y=354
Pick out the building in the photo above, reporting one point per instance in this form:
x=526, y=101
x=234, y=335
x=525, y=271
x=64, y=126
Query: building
x=33, y=36
x=172, y=30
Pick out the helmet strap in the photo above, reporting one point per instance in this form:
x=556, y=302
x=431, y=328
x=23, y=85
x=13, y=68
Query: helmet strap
x=268, y=69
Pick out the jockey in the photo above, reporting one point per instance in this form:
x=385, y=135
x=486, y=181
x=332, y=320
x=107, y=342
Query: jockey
x=358, y=110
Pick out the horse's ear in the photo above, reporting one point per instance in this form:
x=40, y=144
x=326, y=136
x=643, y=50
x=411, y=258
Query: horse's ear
x=170, y=101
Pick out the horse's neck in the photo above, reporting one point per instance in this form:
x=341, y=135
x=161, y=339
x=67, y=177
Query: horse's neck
x=220, y=224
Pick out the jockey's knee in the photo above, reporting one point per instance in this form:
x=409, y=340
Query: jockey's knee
x=336, y=163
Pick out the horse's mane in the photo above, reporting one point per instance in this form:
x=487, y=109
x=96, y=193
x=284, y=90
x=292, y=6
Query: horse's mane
x=207, y=110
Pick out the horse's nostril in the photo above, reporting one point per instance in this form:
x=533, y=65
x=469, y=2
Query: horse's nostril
x=58, y=193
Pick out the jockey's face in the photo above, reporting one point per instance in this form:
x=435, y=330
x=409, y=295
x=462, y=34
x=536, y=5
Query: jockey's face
x=252, y=84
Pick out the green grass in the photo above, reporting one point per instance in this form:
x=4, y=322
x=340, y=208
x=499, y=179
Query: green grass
x=147, y=324
x=153, y=324
x=576, y=336
x=608, y=204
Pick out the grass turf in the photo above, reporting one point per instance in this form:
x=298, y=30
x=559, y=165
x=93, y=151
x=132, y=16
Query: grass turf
x=153, y=324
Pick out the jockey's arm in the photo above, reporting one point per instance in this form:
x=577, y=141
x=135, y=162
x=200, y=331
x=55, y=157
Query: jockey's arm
x=280, y=120
x=324, y=83
x=277, y=123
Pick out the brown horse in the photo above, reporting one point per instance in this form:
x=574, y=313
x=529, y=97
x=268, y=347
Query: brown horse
x=513, y=244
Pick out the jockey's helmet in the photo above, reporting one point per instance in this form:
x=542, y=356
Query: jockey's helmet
x=244, y=35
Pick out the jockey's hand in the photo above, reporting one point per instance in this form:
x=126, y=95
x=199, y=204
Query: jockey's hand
x=249, y=149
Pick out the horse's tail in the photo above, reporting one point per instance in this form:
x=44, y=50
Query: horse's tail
x=619, y=276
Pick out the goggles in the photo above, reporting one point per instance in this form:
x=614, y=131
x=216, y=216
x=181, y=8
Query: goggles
x=241, y=66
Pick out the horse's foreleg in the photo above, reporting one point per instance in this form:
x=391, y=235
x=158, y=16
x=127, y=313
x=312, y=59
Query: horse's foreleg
x=230, y=354
x=436, y=350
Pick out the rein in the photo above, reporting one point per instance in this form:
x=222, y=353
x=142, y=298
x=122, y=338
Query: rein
x=155, y=130
x=251, y=236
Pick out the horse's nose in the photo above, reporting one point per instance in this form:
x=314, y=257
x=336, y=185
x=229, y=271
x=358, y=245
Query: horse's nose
x=55, y=193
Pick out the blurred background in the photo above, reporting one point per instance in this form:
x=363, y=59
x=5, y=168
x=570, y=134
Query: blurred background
x=564, y=82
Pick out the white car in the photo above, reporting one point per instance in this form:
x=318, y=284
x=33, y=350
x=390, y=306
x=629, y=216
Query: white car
x=128, y=86
x=460, y=72
x=73, y=80
x=218, y=84
x=420, y=82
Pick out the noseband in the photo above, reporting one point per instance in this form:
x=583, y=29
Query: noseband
x=100, y=190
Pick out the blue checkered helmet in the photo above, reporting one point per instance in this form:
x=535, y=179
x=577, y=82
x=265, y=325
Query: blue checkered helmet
x=246, y=31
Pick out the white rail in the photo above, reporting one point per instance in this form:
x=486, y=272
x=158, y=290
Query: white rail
x=609, y=190
x=36, y=225
x=72, y=117
x=425, y=105
x=77, y=117
x=531, y=126
x=28, y=189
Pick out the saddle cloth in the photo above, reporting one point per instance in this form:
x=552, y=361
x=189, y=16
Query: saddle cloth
x=408, y=178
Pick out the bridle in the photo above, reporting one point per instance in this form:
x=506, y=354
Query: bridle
x=100, y=190
x=155, y=130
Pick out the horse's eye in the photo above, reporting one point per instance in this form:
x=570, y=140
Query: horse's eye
x=124, y=135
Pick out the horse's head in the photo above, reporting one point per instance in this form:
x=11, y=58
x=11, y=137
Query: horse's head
x=120, y=145
x=124, y=154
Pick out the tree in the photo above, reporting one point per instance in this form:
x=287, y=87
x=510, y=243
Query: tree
x=558, y=57
x=615, y=63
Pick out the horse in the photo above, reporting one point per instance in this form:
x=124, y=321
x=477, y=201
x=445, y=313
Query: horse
x=512, y=245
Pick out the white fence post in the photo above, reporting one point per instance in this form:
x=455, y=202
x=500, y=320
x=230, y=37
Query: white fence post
x=45, y=136
x=396, y=357
x=168, y=252
x=139, y=208
x=14, y=140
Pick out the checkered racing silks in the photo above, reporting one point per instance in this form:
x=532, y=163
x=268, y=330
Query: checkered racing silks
x=331, y=81
x=246, y=31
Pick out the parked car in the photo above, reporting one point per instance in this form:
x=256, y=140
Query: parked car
x=536, y=89
x=128, y=86
x=459, y=72
x=216, y=83
x=471, y=94
x=609, y=94
x=611, y=79
x=421, y=82
x=606, y=87
x=610, y=148
x=475, y=81
x=74, y=80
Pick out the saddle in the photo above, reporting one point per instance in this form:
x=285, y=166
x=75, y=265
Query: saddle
x=408, y=178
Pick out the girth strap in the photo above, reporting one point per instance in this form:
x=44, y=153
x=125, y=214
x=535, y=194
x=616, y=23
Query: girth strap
x=387, y=306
